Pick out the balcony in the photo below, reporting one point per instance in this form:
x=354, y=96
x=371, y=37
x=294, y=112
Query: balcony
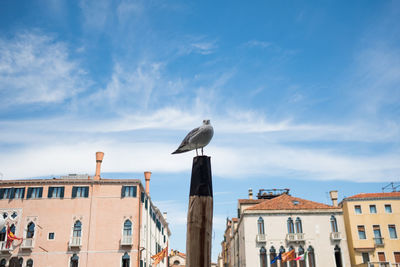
x=261, y=238
x=335, y=236
x=28, y=243
x=295, y=237
x=380, y=264
x=126, y=240
x=3, y=248
x=378, y=241
x=75, y=241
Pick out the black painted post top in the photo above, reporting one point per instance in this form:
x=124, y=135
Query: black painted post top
x=201, y=182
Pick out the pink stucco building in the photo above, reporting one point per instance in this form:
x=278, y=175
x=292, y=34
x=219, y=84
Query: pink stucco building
x=80, y=220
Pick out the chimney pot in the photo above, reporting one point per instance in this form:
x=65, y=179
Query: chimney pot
x=147, y=176
x=165, y=215
x=99, y=160
x=334, y=197
x=250, y=193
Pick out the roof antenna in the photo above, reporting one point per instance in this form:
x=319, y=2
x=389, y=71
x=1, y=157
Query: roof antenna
x=394, y=187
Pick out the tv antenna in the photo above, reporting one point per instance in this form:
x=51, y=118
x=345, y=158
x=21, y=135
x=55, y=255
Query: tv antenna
x=393, y=186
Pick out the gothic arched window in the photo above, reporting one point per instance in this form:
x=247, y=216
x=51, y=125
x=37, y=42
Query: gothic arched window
x=299, y=227
x=260, y=224
x=290, y=226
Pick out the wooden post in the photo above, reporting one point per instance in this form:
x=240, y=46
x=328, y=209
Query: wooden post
x=200, y=214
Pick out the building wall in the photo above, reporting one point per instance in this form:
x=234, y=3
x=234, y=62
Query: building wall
x=381, y=218
x=316, y=227
x=102, y=215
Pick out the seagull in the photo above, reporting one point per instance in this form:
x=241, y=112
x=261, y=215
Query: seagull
x=197, y=138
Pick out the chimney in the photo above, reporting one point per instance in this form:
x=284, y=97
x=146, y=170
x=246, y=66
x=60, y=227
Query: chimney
x=165, y=215
x=250, y=193
x=334, y=196
x=99, y=160
x=147, y=176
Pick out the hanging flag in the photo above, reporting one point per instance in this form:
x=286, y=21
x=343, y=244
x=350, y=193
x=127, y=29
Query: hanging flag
x=279, y=257
x=288, y=256
x=302, y=257
x=11, y=237
x=160, y=255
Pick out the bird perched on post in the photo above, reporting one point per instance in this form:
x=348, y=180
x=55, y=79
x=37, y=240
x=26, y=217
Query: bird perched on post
x=197, y=138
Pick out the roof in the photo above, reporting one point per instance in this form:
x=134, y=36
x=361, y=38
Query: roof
x=235, y=219
x=250, y=201
x=375, y=195
x=287, y=202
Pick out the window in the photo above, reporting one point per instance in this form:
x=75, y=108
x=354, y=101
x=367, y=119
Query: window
x=396, y=257
x=282, y=250
x=3, y=263
x=77, y=231
x=260, y=226
x=292, y=263
x=19, y=193
x=55, y=192
x=80, y=191
x=338, y=256
x=263, y=257
x=13, y=215
x=302, y=263
x=29, y=263
x=377, y=235
x=3, y=234
x=51, y=236
x=176, y=262
x=142, y=197
x=272, y=255
x=388, y=208
x=74, y=260
x=34, y=192
x=392, y=231
x=365, y=257
x=127, y=228
x=361, y=232
x=357, y=209
x=290, y=226
x=372, y=209
x=334, y=227
x=128, y=191
x=311, y=257
x=125, y=260
x=299, y=228
x=30, y=231
x=5, y=193
x=381, y=256
x=21, y=261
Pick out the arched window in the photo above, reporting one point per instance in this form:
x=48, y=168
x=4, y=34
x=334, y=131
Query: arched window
x=272, y=255
x=3, y=263
x=260, y=224
x=12, y=228
x=29, y=263
x=30, y=231
x=290, y=226
x=21, y=261
x=3, y=234
x=177, y=262
x=127, y=228
x=293, y=263
x=74, y=260
x=77, y=232
x=302, y=263
x=334, y=224
x=338, y=256
x=282, y=250
x=299, y=227
x=311, y=256
x=263, y=257
x=125, y=260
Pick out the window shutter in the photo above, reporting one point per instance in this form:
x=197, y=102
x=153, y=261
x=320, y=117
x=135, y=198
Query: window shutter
x=23, y=193
x=86, y=191
x=142, y=196
x=50, y=192
x=1, y=193
x=74, y=191
x=134, y=191
x=12, y=193
x=40, y=192
x=123, y=191
x=29, y=193
x=62, y=192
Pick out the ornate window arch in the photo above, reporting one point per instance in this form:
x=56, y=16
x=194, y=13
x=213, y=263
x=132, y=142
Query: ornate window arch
x=29, y=263
x=77, y=229
x=290, y=225
x=334, y=224
x=260, y=226
x=127, y=228
x=30, y=230
x=74, y=262
x=311, y=257
x=263, y=257
x=3, y=263
x=299, y=226
x=126, y=260
x=272, y=255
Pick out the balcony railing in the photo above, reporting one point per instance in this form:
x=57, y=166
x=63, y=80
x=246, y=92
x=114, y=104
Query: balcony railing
x=380, y=264
x=76, y=241
x=28, y=243
x=295, y=237
x=126, y=240
x=290, y=237
x=379, y=241
x=3, y=247
x=300, y=237
x=261, y=238
x=336, y=236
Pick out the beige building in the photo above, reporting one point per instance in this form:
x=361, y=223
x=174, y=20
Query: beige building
x=80, y=220
x=372, y=225
x=177, y=259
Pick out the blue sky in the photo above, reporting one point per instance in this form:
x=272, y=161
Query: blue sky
x=301, y=94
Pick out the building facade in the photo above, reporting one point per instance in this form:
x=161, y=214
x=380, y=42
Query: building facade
x=279, y=222
x=372, y=224
x=80, y=220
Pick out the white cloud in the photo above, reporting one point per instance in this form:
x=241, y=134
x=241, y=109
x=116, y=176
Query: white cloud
x=35, y=68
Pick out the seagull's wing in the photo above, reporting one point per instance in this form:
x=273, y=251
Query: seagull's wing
x=182, y=147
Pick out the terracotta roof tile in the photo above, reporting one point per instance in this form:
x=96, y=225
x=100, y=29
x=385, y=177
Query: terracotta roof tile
x=250, y=201
x=235, y=219
x=287, y=202
x=376, y=195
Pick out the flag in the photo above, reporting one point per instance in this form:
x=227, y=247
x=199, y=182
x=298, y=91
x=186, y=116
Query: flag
x=160, y=255
x=288, y=256
x=302, y=257
x=11, y=237
x=279, y=257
